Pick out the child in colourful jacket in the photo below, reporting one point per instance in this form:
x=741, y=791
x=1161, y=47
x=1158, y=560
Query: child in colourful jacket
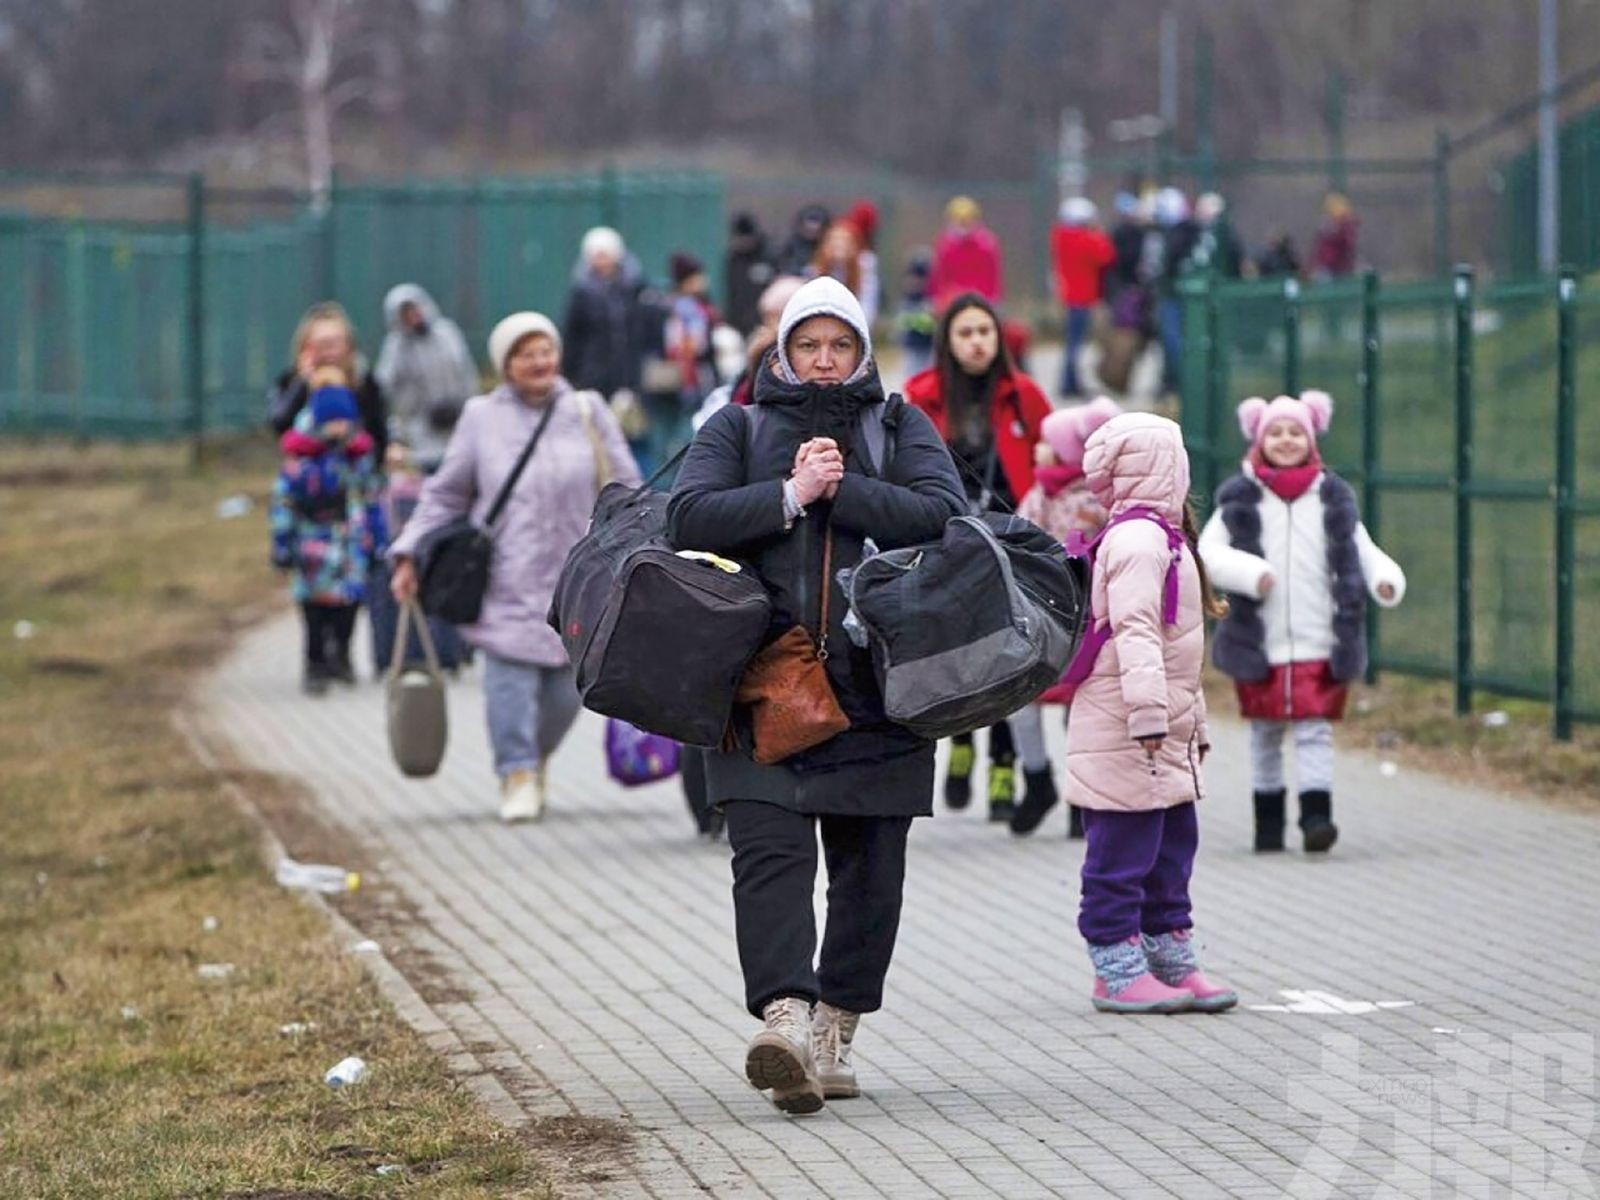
x=1138, y=732
x=327, y=526
x=1285, y=541
x=1061, y=504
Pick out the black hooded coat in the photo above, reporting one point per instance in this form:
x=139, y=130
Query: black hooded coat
x=731, y=502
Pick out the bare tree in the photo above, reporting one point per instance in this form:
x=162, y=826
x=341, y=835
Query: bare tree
x=331, y=54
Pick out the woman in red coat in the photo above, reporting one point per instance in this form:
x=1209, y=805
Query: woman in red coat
x=989, y=414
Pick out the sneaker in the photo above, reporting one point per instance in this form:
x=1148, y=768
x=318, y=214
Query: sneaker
x=833, y=1030
x=341, y=669
x=958, y=776
x=523, y=797
x=1039, y=796
x=1172, y=960
x=780, y=1057
x=1002, y=792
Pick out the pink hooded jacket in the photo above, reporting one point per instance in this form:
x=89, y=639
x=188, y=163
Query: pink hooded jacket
x=1146, y=681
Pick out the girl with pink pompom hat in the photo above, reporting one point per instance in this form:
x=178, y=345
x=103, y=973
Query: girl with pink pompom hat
x=1060, y=503
x=1287, y=544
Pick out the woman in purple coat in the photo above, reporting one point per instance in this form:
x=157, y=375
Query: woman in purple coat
x=528, y=684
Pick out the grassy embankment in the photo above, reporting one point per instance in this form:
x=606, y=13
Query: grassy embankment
x=126, y=1073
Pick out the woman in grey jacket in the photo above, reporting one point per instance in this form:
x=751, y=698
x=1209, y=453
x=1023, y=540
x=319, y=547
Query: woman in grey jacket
x=765, y=485
x=425, y=370
x=528, y=684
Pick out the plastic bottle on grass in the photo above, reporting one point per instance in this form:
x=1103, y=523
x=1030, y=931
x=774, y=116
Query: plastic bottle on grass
x=316, y=877
x=345, y=1072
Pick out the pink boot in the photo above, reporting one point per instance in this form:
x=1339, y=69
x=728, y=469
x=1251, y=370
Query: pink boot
x=1123, y=982
x=1172, y=960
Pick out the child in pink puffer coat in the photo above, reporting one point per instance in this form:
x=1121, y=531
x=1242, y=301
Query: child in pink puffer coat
x=1138, y=731
x=1061, y=504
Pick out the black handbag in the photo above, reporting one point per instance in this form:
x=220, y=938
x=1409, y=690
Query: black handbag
x=453, y=560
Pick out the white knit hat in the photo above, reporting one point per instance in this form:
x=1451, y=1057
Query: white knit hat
x=824, y=296
x=1078, y=210
x=602, y=239
x=513, y=329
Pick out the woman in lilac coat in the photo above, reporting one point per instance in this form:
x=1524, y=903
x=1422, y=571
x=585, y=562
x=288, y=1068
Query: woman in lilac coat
x=528, y=684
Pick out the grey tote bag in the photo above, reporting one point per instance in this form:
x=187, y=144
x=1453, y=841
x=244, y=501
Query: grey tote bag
x=418, y=718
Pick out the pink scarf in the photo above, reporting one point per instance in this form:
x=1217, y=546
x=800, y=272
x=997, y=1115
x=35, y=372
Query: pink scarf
x=1287, y=483
x=1057, y=478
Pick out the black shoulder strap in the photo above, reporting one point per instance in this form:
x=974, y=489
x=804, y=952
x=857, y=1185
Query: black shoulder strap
x=503, y=496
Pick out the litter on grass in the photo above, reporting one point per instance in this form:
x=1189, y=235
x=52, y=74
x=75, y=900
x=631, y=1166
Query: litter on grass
x=345, y=1072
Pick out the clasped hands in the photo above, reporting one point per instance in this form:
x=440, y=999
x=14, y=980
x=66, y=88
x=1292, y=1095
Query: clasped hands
x=818, y=468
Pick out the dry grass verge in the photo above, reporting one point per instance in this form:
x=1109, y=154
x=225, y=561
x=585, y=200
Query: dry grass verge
x=124, y=868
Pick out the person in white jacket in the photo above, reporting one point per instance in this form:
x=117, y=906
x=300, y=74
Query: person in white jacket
x=1287, y=544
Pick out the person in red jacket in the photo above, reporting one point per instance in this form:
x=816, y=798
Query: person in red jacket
x=989, y=414
x=1082, y=253
x=966, y=257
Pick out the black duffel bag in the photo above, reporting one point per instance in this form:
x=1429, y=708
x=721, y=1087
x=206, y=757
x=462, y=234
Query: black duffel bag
x=966, y=630
x=657, y=638
x=453, y=560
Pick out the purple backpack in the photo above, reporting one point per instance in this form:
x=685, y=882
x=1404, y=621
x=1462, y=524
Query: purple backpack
x=634, y=757
x=1099, y=630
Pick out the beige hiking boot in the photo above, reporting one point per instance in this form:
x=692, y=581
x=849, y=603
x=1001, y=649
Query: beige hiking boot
x=780, y=1057
x=832, y=1031
x=523, y=797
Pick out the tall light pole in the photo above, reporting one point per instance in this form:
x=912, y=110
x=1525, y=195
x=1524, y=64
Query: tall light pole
x=1549, y=165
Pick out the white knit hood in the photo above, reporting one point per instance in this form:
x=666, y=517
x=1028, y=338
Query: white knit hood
x=824, y=297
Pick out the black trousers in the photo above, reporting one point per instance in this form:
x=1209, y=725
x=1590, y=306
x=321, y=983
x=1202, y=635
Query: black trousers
x=692, y=771
x=328, y=631
x=774, y=875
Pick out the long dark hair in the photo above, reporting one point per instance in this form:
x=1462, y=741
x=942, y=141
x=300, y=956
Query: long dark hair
x=959, y=389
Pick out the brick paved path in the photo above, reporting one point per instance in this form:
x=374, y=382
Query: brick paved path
x=597, y=951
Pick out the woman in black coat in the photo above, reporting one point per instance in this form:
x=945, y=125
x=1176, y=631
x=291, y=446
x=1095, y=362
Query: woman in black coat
x=821, y=447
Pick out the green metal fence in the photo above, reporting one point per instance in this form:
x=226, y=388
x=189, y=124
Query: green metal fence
x=1578, y=152
x=175, y=327
x=1469, y=420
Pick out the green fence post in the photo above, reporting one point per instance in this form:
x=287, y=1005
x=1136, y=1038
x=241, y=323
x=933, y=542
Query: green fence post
x=610, y=197
x=1291, y=336
x=1566, y=487
x=1333, y=118
x=1205, y=111
x=1371, y=443
x=196, y=355
x=1463, y=487
x=1441, y=203
x=329, y=241
x=1214, y=386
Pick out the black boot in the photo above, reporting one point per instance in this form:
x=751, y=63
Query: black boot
x=314, y=680
x=1074, y=823
x=958, y=776
x=1316, y=821
x=1039, y=796
x=343, y=669
x=1269, y=820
